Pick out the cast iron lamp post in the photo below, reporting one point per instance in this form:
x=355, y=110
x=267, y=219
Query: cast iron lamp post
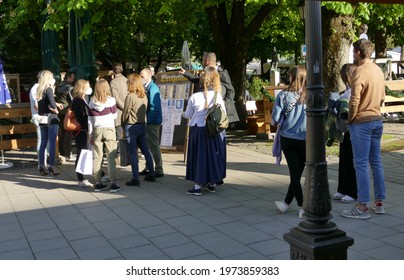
x=316, y=237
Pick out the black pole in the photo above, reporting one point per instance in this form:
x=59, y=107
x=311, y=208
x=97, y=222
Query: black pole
x=316, y=237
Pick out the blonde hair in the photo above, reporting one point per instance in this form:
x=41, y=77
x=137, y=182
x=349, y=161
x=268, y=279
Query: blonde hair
x=44, y=79
x=135, y=85
x=211, y=81
x=102, y=91
x=79, y=89
x=298, y=82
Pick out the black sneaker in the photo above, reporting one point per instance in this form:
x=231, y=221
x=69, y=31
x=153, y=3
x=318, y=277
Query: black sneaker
x=114, y=188
x=194, y=191
x=99, y=187
x=150, y=178
x=211, y=188
x=143, y=172
x=159, y=175
x=133, y=183
x=205, y=186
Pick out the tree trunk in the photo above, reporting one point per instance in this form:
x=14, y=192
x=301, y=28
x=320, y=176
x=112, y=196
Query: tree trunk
x=232, y=39
x=336, y=48
x=381, y=43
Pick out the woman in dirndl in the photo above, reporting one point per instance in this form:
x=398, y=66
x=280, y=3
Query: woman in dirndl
x=206, y=157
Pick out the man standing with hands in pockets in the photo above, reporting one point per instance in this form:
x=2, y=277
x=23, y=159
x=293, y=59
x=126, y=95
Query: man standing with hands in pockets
x=154, y=120
x=367, y=95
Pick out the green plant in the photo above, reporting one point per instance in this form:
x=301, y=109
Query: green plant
x=255, y=87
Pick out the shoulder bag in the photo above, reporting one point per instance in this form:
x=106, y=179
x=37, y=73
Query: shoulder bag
x=216, y=118
x=70, y=122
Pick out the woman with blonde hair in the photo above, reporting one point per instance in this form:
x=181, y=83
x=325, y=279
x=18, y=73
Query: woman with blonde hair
x=206, y=158
x=49, y=124
x=291, y=106
x=134, y=121
x=80, y=108
x=102, y=121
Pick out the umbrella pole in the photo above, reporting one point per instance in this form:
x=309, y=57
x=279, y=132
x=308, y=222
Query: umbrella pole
x=3, y=164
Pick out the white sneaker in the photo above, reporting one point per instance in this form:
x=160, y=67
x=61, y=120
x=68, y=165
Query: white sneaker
x=301, y=212
x=337, y=196
x=84, y=183
x=282, y=206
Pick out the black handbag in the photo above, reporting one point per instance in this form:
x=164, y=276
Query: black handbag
x=216, y=118
x=124, y=152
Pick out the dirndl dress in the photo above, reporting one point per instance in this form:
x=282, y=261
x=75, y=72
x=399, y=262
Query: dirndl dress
x=206, y=157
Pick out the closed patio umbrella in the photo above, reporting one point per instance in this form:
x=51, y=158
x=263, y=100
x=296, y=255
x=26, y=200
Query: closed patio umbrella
x=5, y=96
x=186, y=57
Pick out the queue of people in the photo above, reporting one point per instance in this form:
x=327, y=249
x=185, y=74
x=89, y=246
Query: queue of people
x=141, y=119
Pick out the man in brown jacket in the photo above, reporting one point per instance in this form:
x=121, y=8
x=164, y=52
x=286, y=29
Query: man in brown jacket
x=119, y=90
x=366, y=128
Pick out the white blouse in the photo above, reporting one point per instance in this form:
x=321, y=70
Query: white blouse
x=196, y=111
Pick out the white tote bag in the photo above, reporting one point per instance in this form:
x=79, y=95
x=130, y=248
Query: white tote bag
x=85, y=163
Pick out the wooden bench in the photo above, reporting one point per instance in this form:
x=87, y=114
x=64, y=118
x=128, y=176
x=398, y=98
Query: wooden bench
x=16, y=112
x=393, y=104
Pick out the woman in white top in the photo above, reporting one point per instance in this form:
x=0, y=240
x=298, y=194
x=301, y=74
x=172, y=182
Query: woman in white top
x=206, y=158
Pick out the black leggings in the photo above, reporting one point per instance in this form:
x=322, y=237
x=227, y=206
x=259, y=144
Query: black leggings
x=295, y=154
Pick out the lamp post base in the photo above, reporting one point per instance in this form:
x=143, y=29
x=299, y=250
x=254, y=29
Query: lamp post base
x=308, y=246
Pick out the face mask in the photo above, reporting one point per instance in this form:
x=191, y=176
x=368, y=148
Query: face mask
x=52, y=82
x=89, y=91
x=144, y=82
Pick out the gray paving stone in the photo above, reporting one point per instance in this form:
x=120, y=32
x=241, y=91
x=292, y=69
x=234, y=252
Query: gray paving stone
x=114, y=228
x=250, y=255
x=233, y=227
x=195, y=229
x=11, y=235
x=23, y=254
x=219, y=244
x=386, y=252
x=43, y=234
x=186, y=251
x=147, y=252
x=57, y=254
x=238, y=211
x=270, y=247
x=181, y=221
x=102, y=253
x=170, y=240
x=157, y=230
x=250, y=237
x=128, y=242
x=396, y=240
x=217, y=219
x=89, y=243
x=172, y=213
x=13, y=245
x=81, y=233
x=98, y=214
x=49, y=244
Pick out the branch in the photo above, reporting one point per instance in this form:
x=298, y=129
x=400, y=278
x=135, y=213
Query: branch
x=259, y=18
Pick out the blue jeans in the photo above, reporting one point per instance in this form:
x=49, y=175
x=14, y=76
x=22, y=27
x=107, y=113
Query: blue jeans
x=137, y=136
x=48, y=134
x=365, y=138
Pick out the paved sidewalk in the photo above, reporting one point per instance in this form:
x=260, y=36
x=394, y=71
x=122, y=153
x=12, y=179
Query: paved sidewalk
x=52, y=218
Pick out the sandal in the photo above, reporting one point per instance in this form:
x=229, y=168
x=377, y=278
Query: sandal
x=347, y=199
x=337, y=196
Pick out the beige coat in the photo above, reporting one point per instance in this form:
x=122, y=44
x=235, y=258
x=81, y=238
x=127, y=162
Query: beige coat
x=119, y=90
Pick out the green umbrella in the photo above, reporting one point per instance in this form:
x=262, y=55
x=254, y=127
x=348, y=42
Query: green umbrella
x=80, y=51
x=50, y=50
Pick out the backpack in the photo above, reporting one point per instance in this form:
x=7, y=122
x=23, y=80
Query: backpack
x=216, y=118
